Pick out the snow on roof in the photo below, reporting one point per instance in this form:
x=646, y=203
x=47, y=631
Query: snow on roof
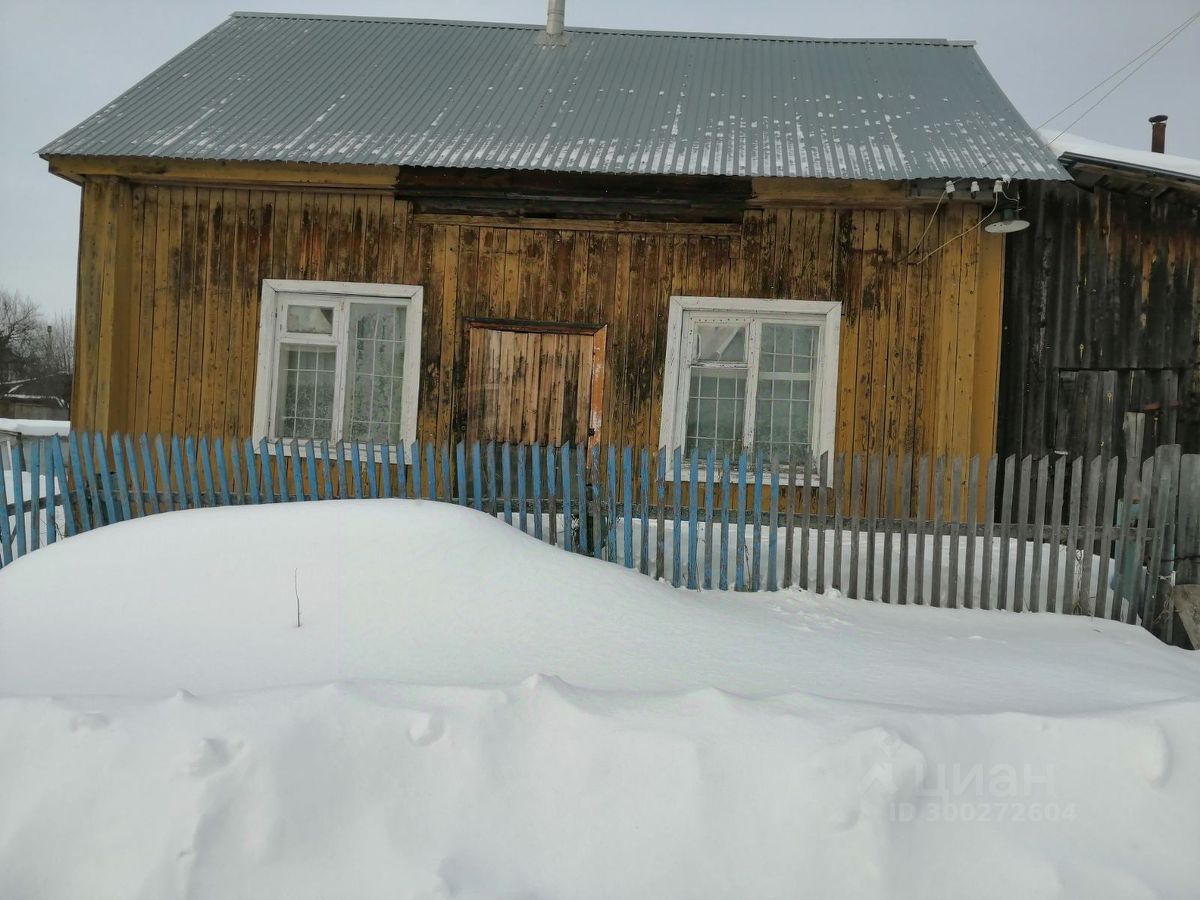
x=1074, y=146
x=328, y=89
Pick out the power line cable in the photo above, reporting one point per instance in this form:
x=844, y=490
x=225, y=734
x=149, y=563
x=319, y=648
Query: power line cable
x=1161, y=46
x=1155, y=47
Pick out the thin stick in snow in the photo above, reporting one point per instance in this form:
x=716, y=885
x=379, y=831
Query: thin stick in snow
x=296, y=589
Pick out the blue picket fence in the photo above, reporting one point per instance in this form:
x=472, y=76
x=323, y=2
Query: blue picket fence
x=1040, y=535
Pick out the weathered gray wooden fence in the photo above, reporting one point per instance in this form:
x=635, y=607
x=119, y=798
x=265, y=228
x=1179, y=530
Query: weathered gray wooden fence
x=1097, y=537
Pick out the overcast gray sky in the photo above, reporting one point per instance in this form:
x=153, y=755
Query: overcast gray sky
x=61, y=60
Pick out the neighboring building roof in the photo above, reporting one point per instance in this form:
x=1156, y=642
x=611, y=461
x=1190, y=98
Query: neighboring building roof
x=331, y=89
x=51, y=390
x=1073, y=148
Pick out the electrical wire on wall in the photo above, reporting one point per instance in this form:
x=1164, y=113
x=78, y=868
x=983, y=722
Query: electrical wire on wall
x=1133, y=65
x=963, y=233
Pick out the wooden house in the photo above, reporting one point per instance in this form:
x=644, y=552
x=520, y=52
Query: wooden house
x=332, y=227
x=1102, y=304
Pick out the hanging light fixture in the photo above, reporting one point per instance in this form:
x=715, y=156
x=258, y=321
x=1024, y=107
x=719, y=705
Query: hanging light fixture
x=1008, y=222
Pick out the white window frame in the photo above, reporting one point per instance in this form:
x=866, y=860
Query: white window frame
x=272, y=334
x=825, y=314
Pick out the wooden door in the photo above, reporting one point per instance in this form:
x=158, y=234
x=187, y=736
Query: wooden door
x=531, y=383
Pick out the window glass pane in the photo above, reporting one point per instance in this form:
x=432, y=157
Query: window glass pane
x=310, y=319
x=716, y=411
x=305, y=386
x=783, y=409
x=720, y=343
x=375, y=372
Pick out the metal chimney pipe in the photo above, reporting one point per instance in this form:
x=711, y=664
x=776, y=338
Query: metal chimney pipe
x=555, y=14
x=1158, y=134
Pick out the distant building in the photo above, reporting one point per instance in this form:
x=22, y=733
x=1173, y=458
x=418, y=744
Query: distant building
x=45, y=397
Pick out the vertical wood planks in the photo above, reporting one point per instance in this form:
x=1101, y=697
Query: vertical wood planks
x=1156, y=617
x=1105, y=535
x=538, y=459
x=855, y=523
x=627, y=488
x=1006, y=504
x=905, y=515
x=919, y=527
x=873, y=475
x=740, y=562
x=1069, y=577
x=565, y=475
x=122, y=481
x=18, y=491
x=723, y=582
x=644, y=549
x=6, y=537
x=660, y=505
x=693, y=516
x=822, y=498
x=1137, y=593
x=110, y=509
x=676, y=535
x=969, y=600
x=838, y=487
x=551, y=493
x=506, y=481
x=1055, y=536
x=1036, y=587
x=955, y=530
x=1087, y=545
x=772, y=530
x=888, y=509
x=710, y=490
x=939, y=500
x=1020, y=534
x=35, y=488
x=60, y=472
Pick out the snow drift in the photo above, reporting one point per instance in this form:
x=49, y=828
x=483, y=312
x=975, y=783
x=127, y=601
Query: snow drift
x=464, y=712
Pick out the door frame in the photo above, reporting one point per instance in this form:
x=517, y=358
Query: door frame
x=599, y=335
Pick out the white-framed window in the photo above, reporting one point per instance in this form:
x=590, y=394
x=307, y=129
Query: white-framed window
x=753, y=375
x=338, y=361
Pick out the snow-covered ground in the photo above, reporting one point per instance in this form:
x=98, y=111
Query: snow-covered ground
x=464, y=712
x=36, y=427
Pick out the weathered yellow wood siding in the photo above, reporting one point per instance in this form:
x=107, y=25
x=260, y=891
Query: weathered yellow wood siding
x=170, y=278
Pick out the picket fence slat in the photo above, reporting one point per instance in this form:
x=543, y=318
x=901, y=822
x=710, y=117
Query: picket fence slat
x=890, y=516
x=693, y=518
x=906, y=475
x=823, y=488
x=939, y=500
x=856, y=464
x=919, y=527
x=1042, y=473
x=1083, y=602
x=1056, y=501
x=772, y=529
x=972, y=524
x=955, y=531
x=710, y=490
x=7, y=535
x=872, y=524
x=1105, y=536
x=1067, y=536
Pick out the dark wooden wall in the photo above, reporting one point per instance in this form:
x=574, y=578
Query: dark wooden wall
x=170, y=277
x=1101, y=307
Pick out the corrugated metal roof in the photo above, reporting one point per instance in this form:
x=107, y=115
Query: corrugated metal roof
x=331, y=89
